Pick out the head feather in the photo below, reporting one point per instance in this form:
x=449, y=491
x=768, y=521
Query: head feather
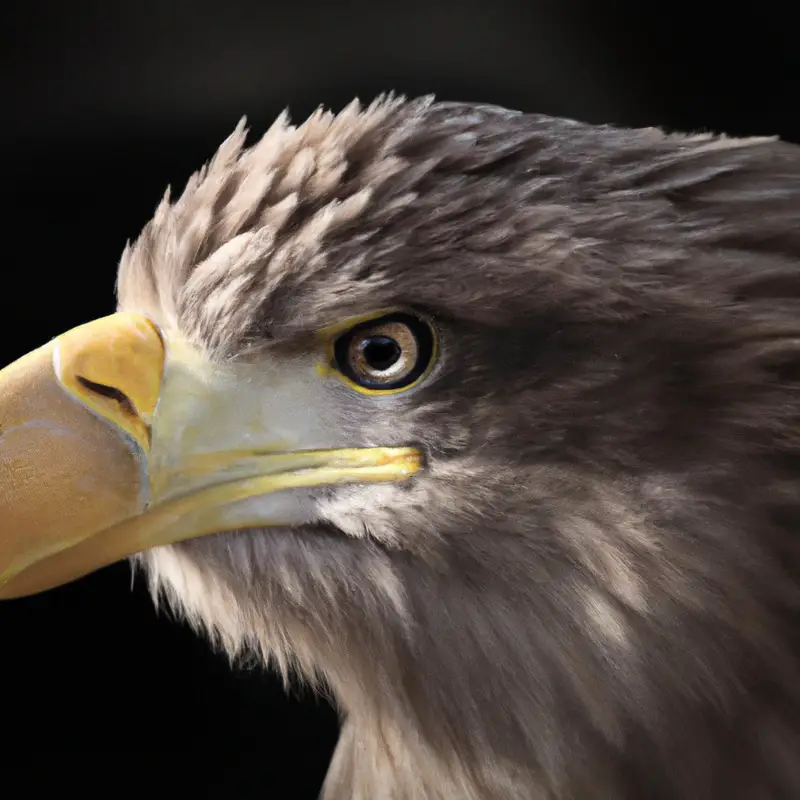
x=592, y=590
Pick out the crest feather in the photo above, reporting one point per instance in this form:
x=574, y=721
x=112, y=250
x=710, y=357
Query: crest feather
x=293, y=174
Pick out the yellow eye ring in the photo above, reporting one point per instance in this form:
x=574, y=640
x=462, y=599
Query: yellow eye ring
x=385, y=354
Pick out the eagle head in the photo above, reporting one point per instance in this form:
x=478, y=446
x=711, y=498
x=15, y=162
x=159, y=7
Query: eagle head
x=486, y=423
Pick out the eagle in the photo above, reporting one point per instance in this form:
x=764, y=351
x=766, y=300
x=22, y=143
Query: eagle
x=486, y=423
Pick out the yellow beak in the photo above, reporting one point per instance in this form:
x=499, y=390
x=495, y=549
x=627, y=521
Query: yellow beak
x=114, y=439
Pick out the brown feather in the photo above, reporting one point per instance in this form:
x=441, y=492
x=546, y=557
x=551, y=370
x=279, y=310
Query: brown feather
x=592, y=591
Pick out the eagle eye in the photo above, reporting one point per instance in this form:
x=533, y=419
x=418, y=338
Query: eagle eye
x=387, y=354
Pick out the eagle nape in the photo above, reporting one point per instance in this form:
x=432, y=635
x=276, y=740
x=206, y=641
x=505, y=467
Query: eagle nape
x=487, y=421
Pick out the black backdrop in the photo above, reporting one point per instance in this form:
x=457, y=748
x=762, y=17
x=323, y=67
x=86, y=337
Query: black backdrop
x=103, y=105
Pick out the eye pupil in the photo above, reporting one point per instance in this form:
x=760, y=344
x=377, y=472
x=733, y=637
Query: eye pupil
x=381, y=352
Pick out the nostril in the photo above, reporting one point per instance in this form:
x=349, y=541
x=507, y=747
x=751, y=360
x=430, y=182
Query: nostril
x=111, y=393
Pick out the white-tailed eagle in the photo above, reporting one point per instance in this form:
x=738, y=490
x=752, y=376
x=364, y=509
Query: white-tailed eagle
x=487, y=422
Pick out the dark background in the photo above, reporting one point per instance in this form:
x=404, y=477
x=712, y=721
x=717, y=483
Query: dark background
x=103, y=105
